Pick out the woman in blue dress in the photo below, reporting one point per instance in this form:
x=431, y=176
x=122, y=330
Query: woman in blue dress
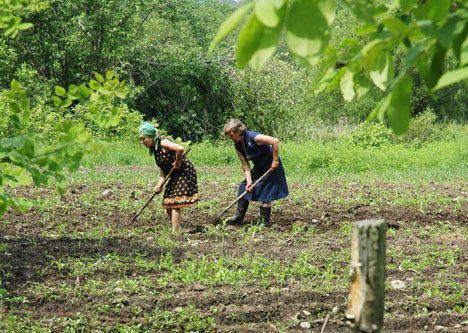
x=262, y=150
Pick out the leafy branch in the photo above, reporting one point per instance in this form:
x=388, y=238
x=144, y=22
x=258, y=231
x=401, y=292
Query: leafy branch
x=425, y=31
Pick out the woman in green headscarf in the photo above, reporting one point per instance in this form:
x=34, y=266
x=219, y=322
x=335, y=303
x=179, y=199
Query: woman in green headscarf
x=182, y=188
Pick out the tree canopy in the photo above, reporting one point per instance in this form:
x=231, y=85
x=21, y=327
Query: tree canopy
x=423, y=31
x=73, y=70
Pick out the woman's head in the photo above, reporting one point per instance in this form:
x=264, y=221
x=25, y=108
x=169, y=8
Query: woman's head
x=148, y=135
x=235, y=129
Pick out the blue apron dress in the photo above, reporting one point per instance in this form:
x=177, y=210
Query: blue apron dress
x=273, y=187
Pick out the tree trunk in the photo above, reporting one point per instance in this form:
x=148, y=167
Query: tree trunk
x=367, y=276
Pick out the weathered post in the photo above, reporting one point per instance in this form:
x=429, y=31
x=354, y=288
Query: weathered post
x=367, y=276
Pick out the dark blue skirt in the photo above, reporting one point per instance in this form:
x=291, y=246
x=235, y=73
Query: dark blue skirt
x=271, y=188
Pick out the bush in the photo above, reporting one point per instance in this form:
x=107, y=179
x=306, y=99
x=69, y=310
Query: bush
x=126, y=130
x=44, y=119
x=423, y=129
x=371, y=135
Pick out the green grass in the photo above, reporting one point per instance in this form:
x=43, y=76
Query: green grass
x=435, y=161
x=126, y=281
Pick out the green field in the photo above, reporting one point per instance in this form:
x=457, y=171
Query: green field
x=74, y=264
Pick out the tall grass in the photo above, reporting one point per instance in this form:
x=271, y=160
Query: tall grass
x=441, y=160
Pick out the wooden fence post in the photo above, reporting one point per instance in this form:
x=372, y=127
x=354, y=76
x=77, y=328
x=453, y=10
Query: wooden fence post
x=367, y=276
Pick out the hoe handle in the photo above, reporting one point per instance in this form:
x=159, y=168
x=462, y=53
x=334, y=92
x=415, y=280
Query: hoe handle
x=154, y=194
x=266, y=174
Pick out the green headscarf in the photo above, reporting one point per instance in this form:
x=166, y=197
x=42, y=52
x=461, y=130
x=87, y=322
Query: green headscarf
x=149, y=131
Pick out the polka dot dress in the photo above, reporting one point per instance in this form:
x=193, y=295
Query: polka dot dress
x=182, y=189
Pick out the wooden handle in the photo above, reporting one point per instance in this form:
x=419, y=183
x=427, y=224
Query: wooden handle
x=154, y=194
x=245, y=192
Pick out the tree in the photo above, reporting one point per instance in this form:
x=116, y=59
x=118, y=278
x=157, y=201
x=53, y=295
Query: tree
x=74, y=38
x=24, y=156
x=425, y=31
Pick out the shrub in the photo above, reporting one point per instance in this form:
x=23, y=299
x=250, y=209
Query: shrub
x=45, y=118
x=126, y=130
x=371, y=135
x=424, y=128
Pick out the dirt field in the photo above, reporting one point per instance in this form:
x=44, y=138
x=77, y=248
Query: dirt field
x=34, y=241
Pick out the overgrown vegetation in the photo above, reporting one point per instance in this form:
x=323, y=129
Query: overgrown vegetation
x=160, y=49
x=74, y=72
x=77, y=251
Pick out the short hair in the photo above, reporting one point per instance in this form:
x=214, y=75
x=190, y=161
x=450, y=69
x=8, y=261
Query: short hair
x=234, y=125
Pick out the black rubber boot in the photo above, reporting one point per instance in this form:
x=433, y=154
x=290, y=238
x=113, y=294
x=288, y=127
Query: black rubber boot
x=265, y=213
x=238, y=218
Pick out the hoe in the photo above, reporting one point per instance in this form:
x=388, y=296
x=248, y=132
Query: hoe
x=154, y=194
x=266, y=174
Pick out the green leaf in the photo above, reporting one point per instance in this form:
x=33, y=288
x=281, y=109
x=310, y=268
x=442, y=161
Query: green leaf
x=105, y=91
x=93, y=84
x=406, y=5
x=396, y=26
x=15, y=157
x=427, y=27
x=325, y=81
x=14, y=119
x=412, y=56
x=370, y=54
x=464, y=53
x=229, y=25
x=399, y=112
x=24, y=26
x=366, y=29
x=451, y=77
x=121, y=93
x=266, y=12
x=57, y=101
x=437, y=66
x=25, y=104
x=67, y=103
x=41, y=161
x=99, y=77
x=380, y=109
x=308, y=28
x=361, y=84
x=383, y=72
x=24, y=204
x=61, y=186
x=347, y=86
x=72, y=89
x=83, y=92
x=435, y=10
x=248, y=40
x=11, y=32
x=267, y=44
x=362, y=9
x=256, y=43
x=15, y=85
x=60, y=91
x=110, y=75
x=94, y=109
x=438, y=9
x=77, y=157
x=54, y=166
x=451, y=29
x=15, y=107
x=460, y=45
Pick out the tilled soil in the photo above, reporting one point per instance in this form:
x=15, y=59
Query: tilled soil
x=251, y=308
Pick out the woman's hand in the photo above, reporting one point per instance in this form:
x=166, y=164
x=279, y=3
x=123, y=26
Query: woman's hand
x=248, y=186
x=158, y=189
x=176, y=165
x=274, y=165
